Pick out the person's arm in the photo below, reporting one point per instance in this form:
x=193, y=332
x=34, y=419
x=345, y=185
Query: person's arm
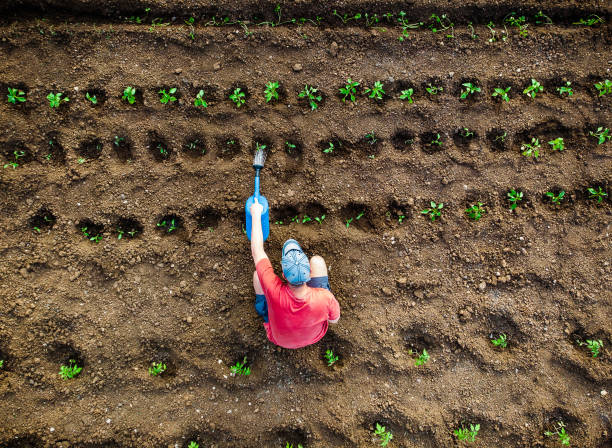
x=257, y=246
x=334, y=310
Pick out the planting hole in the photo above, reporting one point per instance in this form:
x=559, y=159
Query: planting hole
x=90, y=230
x=61, y=354
x=159, y=148
x=293, y=147
x=433, y=142
x=169, y=224
x=194, y=145
x=95, y=97
x=499, y=139
x=403, y=140
x=122, y=146
x=228, y=147
x=333, y=147
x=464, y=136
x=43, y=219
x=52, y=150
x=207, y=218
x=128, y=228
x=90, y=149
x=356, y=216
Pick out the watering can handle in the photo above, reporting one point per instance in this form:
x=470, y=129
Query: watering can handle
x=257, y=182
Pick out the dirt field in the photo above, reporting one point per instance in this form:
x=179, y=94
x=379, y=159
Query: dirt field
x=539, y=274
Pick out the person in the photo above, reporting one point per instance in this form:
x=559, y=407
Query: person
x=296, y=313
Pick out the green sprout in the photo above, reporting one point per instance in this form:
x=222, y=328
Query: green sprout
x=87, y=234
x=601, y=134
x=597, y=194
x=407, y=95
x=567, y=89
x=436, y=141
x=92, y=98
x=290, y=445
x=470, y=89
x=560, y=432
x=556, y=199
x=319, y=219
x=475, y=211
x=169, y=226
x=199, y=100
x=55, y=99
x=473, y=34
x=435, y=210
x=468, y=435
x=270, y=91
x=519, y=22
x=349, y=90
x=371, y=138
x=330, y=357
x=157, y=368
x=1, y=363
x=310, y=93
x=533, y=89
x=290, y=147
x=434, y=90
x=542, y=19
x=406, y=25
x=189, y=22
x=384, y=435
x=421, y=359
x=193, y=444
x=129, y=94
x=376, y=92
x=70, y=371
x=118, y=141
x=162, y=151
x=156, y=23
x=593, y=345
x=14, y=163
x=531, y=149
x=81, y=160
x=557, y=144
x=441, y=23
x=501, y=341
x=15, y=95
x=604, y=87
x=491, y=27
x=240, y=368
x=590, y=21
x=466, y=133
x=329, y=149
x=502, y=93
x=167, y=97
x=345, y=17
x=306, y=219
x=514, y=197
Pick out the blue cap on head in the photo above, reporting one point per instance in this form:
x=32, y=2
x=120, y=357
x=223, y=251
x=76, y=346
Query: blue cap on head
x=296, y=265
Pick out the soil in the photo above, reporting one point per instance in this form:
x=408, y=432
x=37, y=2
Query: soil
x=181, y=293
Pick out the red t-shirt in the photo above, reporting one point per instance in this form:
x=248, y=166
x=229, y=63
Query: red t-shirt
x=295, y=323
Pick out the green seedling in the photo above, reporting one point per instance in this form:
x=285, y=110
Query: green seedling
x=81, y=160
x=92, y=98
x=169, y=226
x=441, y=23
x=514, y=197
x=349, y=90
x=601, y=134
x=37, y=229
x=319, y=219
x=14, y=163
x=310, y=93
x=290, y=445
x=70, y=371
x=162, y=151
x=193, y=146
x=422, y=358
x=384, y=435
x=167, y=97
x=501, y=341
x=491, y=27
x=271, y=91
x=501, y=137
x=93, y=238
x=466, y=133
x=376, y=92
x=189, y=22
x=502, y=93
x=519, y=22
x=240, y=368
x=435, y=211
x=193, y=444
x=470, y=89
x=590, y=21
x=434, y=90
x=16, y=95
x=469, y=435
x=129, y=94
x=1, y=363
x=371, y=138
x=330, y=357
x=567, y=89
x=593, y=345
x=157, y=23
x=475, y=211
x=542, y=19
x=407, y=95
x=330, y=148
x=436, y=141
x=55, y=99
x=118, y=141
x=406, y=25
x=598, y=194
x=556, y=199
x=199, y=100
x=306, y=219
x=531, y=149
x=533, y=89
x=604, y=87
x=345, y=17
x=473, y=34
x=561, y=434
x=557, y=144
x=290, y=147
x=157, y=368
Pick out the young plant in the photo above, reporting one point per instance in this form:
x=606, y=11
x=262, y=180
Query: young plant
x=519, y=22
x=434, y=90
x=1, y=363
x=561, y=434
x=604, y=87
x=357, y=218
x=437, y=141
x=16, y=95
x=319, y=219
x=590, y=21
x=470, y=89
x=310, y=93
x=93, y=238
x=193, y=444
x=435, y=210
x=406, y=25
x=531, y=149
x=466, y=133
x=567, y=89
x=290, y=445
x=240, y=368
x=533, y=89
x=601, y=134
x=407, y=95
x=167, y=97
x=329, y=149
x=501, y=341
x=170, y=226
x=594, y=345
x=163, y=152
x=376, y=92
x=441, y=23
x=118, y=141
x=70, y=371
x=16, y=155
x=514, y=197
x=349, y=90
x=157, y=368
x=199, y=100
x=330, y=357
x=55, y=99
x=469, y=435
x=557, y=144
x=476, y=211
x=502, y=93
x=422, y=358
x=556, y=199
x=598, y=194
x=92, y=98
x=129, y=94
x=384, y=435
x=270, y=91
x=371, y=138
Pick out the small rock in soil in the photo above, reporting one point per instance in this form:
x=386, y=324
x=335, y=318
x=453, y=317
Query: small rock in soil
x=297, y=67
x=482, y=286
x=217, y=66
x=386, y=291
x=333, y=49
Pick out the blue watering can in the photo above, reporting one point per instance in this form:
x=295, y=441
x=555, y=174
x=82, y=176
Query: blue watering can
x=258, y=164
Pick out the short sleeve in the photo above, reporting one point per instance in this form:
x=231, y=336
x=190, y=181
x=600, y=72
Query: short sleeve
x=269, y=280
x=334, y=308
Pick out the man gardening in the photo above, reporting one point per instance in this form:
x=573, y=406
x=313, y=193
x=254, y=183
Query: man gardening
x=296, y=313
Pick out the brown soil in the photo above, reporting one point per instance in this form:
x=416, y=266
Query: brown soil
x=539, y=274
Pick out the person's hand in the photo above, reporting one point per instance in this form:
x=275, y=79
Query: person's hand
x=256, y=209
